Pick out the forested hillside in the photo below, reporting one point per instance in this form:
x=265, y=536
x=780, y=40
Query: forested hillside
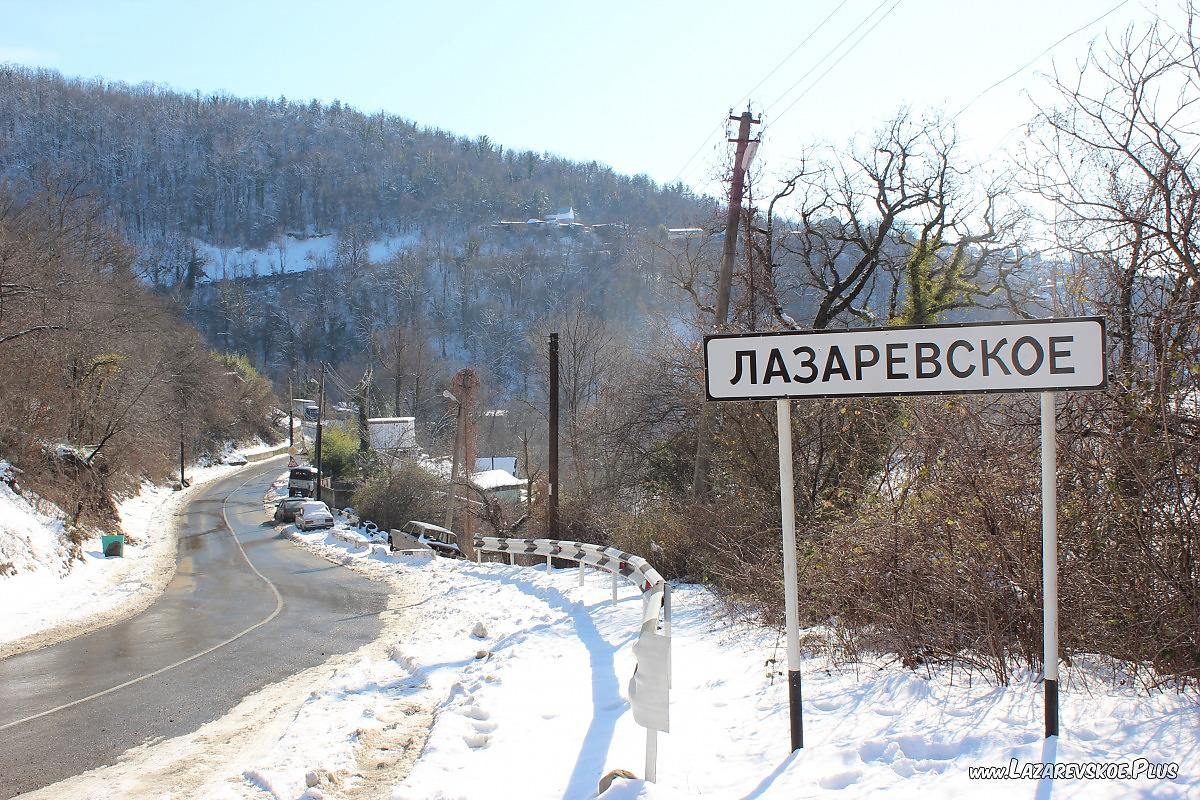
x=392, y=223
x=241, y=172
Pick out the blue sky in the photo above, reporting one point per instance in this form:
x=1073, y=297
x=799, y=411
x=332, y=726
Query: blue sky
x=638, y=85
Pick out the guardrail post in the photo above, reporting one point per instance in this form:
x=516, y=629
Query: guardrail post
x=651, y=755
x=547, y=564
x=512, y=558
x=581, y=575
x=614, y=602
x=667, y=626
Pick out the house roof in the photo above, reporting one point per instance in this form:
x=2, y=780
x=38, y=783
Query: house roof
x=496, y=479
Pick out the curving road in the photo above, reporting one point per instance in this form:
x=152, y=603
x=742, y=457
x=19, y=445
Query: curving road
x=246, y=608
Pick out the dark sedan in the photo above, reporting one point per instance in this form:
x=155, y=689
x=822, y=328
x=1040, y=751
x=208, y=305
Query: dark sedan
x=285, y=509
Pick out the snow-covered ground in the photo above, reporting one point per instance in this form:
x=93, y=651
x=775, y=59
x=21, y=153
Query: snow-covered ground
x=291, y=254
x=52, y=597
x=524, y=675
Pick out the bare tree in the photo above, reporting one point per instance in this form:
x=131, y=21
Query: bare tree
x=896, y=231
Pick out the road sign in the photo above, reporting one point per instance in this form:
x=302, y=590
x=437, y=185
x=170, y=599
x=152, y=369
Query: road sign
x=1046, y=356
x=1010, y=356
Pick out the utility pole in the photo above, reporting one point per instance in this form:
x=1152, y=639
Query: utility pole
x=552, y=507
x=458, y=440
x=363, y=397
x=183, y=405
x=320, y=424
x=291, y=420
x=743, y=154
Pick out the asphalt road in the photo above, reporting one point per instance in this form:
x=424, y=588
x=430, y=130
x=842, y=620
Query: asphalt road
x=79, y=704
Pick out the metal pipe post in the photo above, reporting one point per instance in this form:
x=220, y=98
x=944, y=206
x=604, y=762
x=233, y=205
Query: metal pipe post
x=1050, y=563
x=791, y=606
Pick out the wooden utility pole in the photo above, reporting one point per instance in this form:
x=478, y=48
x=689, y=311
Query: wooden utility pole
x=552, y=501
x=320, y=424
x=737, y=184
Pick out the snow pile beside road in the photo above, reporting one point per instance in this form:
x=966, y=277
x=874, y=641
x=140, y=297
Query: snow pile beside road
x=52, y=597
x=30, y=539
x=529, y=675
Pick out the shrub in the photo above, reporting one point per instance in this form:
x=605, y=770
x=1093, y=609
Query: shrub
x=405, y=492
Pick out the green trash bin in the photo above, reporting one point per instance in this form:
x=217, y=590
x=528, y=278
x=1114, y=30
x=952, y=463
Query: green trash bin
x=113, y=546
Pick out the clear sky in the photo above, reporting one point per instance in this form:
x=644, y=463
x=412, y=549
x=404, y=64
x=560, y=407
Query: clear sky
x=638, y=85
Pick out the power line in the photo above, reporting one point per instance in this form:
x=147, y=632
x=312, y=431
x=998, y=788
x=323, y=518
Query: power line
x=854, y=29
x=788, y=57
x=764, y=79
x=847, y=52
x=1028, y=63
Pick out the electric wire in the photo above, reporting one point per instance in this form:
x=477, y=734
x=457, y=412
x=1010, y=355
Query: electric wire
x=853, y=30
x=839, y=60
x=764, y=79
x=1031, y=61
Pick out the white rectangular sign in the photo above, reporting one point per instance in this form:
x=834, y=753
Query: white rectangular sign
x=1009, y=356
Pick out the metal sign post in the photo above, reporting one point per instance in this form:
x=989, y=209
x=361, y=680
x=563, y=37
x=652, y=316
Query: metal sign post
x=1044, y=356
x=1050, y=563
x=791, y=605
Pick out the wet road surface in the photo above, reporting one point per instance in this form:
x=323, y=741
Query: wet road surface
x=316, y=609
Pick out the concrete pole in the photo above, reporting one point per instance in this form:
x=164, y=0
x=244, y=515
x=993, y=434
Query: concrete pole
x=458, y=436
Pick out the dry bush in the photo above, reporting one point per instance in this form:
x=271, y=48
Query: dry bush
x=101, y=379
x=392, y=497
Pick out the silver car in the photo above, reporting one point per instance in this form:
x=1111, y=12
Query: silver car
x=313, y=514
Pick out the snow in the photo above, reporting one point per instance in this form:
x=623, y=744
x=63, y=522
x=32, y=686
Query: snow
x=511, y=682
x=51, y=596
x=291, y=254
x=542, y=695
x=496, y=479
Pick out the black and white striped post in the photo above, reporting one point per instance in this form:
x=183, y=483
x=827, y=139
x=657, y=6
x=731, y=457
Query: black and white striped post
x=1050, y=563
x=791, y=603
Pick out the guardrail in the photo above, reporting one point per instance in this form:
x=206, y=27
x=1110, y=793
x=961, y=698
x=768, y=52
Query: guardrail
x=651, y=681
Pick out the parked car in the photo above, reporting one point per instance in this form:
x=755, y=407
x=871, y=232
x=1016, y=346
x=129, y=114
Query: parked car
x=440, y=540
x=285, y=509
x=313, y=514
x=235, y=459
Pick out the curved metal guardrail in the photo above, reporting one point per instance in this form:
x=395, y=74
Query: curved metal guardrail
x=635, y=569
x=649, y=687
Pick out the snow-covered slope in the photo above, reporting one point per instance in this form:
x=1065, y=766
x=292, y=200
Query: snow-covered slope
x=290, y=254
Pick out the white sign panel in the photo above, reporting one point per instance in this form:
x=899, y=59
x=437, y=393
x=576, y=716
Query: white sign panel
x=1017, y=356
